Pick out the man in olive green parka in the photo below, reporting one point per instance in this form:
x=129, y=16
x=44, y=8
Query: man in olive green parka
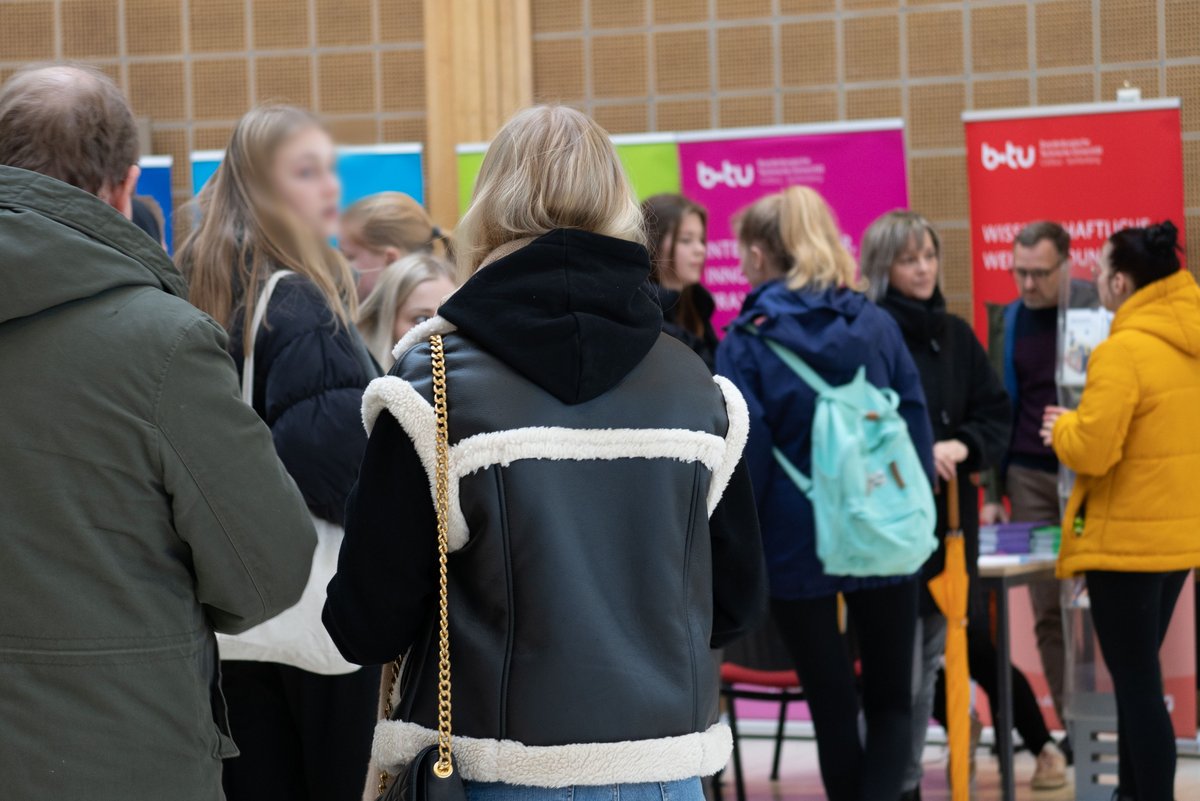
x=142, y=505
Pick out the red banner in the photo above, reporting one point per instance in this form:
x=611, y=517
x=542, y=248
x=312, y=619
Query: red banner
x=1095, y=169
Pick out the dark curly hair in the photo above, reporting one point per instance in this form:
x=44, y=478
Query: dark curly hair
x=1147, y=254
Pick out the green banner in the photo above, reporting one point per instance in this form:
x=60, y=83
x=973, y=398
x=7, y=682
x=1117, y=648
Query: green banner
x=652, y=167
x=469, y=162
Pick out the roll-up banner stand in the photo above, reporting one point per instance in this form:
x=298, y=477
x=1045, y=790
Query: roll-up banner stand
x=155, y=183
x=1094, y=168
x=859, y=167
x=364, y=170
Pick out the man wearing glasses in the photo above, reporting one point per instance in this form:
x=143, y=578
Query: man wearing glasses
x=1029, y=346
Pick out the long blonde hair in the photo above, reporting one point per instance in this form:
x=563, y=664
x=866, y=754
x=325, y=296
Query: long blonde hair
x=549, y=167
x=395, y=220
x=244, y=233
x=377, y=315
x=796, y=230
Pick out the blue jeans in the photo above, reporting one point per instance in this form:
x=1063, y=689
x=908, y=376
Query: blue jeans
x=685, y=790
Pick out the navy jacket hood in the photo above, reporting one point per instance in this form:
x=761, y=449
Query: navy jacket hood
x=824, y=325
x=571, y=311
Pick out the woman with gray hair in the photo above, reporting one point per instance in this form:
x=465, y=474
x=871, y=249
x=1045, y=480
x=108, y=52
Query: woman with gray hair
x=971, y=417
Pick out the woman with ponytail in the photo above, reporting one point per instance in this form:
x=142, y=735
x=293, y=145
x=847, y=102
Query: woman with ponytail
x=383, y=228
x=807, y=298
x=1131, y=524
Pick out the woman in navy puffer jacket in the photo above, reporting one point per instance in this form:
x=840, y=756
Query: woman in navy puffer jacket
x=803, y=299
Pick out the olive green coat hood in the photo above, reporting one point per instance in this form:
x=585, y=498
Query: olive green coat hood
x=36, y=212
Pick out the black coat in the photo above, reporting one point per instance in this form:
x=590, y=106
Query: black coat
x=966, y=401
x=309, y=375
x=703, y=346
x=589, y=547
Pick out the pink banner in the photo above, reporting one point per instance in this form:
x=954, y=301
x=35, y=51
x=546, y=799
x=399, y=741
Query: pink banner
x=859, y=170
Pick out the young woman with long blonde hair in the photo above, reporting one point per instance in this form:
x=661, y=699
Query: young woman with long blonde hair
x=407, y=294
x=601, y=525
x=270, y=210
x=807, y=299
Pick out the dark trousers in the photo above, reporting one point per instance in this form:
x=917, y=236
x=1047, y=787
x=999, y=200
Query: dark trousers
x=1131, y=612
x=885, y=623
x=301, y=735
x=1034, y=496
x=1027, y=715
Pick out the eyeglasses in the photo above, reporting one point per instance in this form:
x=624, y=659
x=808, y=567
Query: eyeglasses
x=1023, y=274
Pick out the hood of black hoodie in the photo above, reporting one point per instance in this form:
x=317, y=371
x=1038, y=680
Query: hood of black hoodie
x=571, y=311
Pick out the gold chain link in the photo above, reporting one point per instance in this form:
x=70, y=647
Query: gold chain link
x=445, y=765
x=384, y=776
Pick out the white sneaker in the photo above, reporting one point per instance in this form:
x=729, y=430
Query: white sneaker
x=1051, y=772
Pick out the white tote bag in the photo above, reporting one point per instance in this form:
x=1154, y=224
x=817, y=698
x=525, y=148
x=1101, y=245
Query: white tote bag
x=296, y=637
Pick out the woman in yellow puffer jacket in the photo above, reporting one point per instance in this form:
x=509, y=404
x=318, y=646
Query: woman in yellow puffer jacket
x=1135, y=444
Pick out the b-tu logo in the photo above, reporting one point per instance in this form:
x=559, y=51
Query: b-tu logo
x=1012, y=156
x=732, y=175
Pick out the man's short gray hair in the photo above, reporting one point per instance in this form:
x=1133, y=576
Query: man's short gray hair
x=68, y=122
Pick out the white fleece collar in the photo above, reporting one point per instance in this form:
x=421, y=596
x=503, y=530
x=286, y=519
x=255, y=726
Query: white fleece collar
x=421, y=333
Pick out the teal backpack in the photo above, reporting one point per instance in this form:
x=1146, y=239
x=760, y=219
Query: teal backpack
x=871, y=498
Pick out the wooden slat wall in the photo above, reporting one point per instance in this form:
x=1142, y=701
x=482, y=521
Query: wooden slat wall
x=478, y=72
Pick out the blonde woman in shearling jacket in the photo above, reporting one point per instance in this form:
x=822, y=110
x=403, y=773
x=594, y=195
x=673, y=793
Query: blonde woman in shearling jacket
x=602, y=530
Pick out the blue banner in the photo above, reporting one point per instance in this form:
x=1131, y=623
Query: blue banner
x=364, y=170
x=155, y=182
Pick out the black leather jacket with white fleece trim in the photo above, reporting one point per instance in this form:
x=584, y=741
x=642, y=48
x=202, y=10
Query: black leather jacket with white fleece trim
x=603, y=532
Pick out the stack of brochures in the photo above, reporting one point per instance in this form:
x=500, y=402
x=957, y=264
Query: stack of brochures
x=1045, y=540
x=1005, y=538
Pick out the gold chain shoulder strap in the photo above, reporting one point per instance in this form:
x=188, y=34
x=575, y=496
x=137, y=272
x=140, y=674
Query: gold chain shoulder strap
x=445, y=765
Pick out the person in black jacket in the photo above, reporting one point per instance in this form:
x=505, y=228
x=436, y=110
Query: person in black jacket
x=271, y=206
x=677, y=238
x=603, y=535
x=971, y=418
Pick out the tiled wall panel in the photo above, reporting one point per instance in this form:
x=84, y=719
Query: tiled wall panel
x=193, y=66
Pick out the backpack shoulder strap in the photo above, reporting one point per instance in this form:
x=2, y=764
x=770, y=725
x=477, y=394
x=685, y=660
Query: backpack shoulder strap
x=797, y=365
x=815, y=382
x=802, y=482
